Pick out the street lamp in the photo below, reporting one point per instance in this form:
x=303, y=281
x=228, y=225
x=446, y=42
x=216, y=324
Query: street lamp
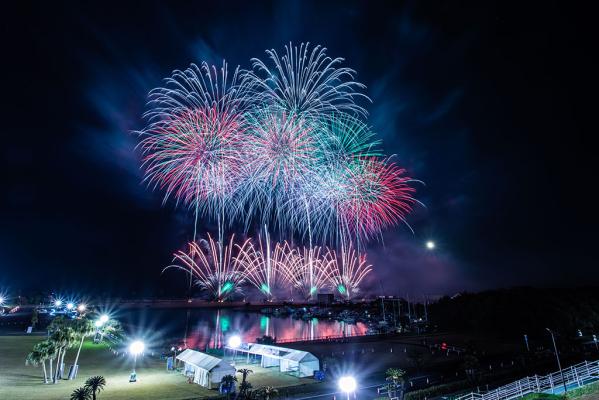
x=347, y=384
x=559, y=364
x=135, y=348
x=234, y=342
x=430, y=245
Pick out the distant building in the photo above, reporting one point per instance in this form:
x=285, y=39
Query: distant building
x=325, y=298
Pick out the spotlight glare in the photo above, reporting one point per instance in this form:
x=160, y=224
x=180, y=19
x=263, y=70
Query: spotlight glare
x=81, y=307
x=70, y=306
x=136, y=347
x=430, y=245
x=98, y=323
x=58, y=303
x=104, y=318
x=234, y=342
x=347, y=384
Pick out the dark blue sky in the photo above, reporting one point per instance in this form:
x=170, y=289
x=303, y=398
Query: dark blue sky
x=485, y=102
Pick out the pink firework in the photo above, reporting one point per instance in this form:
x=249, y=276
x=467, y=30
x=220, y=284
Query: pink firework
x=306, y=270
x=378, y=196
x=194, y=155
x=213, y=266
x=348, y=269
x=280, y=148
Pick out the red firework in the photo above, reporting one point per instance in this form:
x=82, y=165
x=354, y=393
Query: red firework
x=378, y=196
x=194, y=155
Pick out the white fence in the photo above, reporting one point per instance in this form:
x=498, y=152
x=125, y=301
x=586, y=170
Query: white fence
x=573, y=377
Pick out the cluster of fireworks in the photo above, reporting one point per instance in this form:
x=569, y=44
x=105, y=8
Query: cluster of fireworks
x=272, y=267
x=281, y=145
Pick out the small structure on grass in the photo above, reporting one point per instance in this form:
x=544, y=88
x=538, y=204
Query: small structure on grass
x=204, y=369
x=294, y=362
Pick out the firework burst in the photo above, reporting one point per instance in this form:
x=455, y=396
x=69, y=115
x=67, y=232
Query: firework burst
x=214, y=268
x=305, y=81
x=347, y=271
x=261, y=263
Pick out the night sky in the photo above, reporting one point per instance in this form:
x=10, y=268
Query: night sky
x=483, y=102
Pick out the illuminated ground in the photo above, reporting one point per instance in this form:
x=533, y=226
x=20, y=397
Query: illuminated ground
x=20, y=382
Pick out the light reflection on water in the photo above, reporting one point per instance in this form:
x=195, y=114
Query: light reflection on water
x=202, y=328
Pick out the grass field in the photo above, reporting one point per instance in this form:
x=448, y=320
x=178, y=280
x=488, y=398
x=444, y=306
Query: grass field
x=21, y=382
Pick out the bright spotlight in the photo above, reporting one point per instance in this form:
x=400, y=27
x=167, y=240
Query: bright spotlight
x=1, y=300
x=58, y=303
x=81, y=307
x=98, y=323
x=430, y=245
x=104, y=318
x=234, y=342
x=136, y=347
x=70, y=306
x=347, y=384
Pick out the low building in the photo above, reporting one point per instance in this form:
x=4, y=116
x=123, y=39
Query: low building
x=290, y=361
x=204, y=369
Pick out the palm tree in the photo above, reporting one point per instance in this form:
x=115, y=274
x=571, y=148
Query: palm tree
x=227, y=382
x=35, y=358
x=266, y=393
x=244, y=373
x=50, y=352
x=244, y=386
x=82, y=327
x=395, y=377
x=81, y=393
x=62, y=338
x=95, y=384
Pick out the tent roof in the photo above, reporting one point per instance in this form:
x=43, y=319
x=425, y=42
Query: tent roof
x=299, y=355
x=280, y=352
x=201, y=360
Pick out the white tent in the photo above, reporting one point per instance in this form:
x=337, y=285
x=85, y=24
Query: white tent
x=300, y=363
x=205, y=369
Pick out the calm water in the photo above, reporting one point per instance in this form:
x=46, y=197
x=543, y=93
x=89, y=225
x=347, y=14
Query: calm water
x=210, y=328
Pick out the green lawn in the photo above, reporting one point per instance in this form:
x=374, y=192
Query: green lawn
x=21, y=382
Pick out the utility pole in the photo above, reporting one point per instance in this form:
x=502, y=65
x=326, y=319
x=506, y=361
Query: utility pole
x=559, y=364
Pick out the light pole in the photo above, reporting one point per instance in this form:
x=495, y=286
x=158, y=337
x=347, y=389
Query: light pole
x=559, y=364
x=347, y=384
x=234, y=342
x=135, y=348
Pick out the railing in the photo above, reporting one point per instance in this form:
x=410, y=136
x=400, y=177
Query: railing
x=574, y=376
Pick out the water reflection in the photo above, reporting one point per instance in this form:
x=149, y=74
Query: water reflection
x=209, y=329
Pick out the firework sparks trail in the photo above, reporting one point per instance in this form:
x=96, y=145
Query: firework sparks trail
x=379, y=196
x=306, y=270
x=347, y=271
x=220, y=276
x=305, y=82
x=260, y=263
